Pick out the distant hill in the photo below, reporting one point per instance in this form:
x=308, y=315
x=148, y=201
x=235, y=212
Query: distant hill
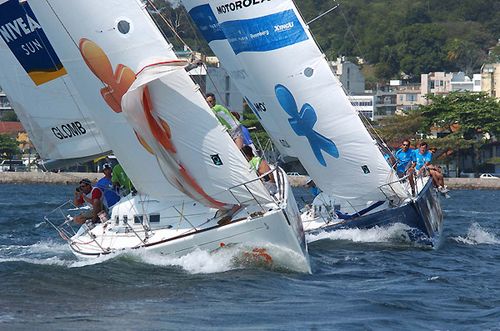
x=393, y=36
x=410, y=36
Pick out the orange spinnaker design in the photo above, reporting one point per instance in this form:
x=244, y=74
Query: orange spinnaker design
x=118, y=83
x=161, y=133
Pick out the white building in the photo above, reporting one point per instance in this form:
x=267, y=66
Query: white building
x=364, y=104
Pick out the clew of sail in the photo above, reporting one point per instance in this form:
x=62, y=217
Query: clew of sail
x=269, y=52
x=41, y=93
x=104, y=53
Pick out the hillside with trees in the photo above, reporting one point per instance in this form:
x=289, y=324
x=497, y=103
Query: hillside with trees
x=394, y=37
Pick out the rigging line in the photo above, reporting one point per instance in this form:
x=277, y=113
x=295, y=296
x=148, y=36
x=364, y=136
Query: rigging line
x=168, y=24
x=162, y=16
x=64, y=80
x=199, y=41
x=321, y=15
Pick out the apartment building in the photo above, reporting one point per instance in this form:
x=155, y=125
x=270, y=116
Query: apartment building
x=490, y=79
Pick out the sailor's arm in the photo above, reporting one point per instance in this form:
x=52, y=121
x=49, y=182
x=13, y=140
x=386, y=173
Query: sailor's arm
x=77, y=199
x=96, y=208
x=265, y=168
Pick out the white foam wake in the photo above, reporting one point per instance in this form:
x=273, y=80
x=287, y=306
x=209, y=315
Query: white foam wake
x=395, y=232
x=228, y=258
x=476, y=235
x=42, y=253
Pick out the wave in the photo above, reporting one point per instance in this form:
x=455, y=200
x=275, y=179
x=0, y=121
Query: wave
x=476, y=235
x=230, y=257
x=41, y=253
x=395, y=233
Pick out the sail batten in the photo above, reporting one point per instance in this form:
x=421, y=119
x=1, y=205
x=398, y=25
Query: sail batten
x=271, y=56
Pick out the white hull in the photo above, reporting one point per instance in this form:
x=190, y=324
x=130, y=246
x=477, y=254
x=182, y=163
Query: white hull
x=139, y=223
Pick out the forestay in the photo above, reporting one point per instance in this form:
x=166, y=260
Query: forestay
x=104, y=53
x=270, y=54
x=40, y=91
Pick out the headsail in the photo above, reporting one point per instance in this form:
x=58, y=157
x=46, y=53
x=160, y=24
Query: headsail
x=41, y=92
x=172, y=142
x=269, y=52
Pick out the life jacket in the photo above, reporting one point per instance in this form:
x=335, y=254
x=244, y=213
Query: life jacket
x=89, y=196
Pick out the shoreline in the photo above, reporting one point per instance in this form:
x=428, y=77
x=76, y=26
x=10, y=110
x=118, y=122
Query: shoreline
x=295, y=181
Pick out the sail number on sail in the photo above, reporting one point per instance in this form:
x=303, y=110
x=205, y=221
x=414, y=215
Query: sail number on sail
x=69, y=130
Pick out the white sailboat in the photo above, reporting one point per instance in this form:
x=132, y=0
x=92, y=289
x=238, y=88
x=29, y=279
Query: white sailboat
x=272, y=57
x=184, y=165
x=42, y=94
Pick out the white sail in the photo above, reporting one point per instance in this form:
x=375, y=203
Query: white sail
x=193, y=149
x=269, y=52
x=40, y=91
x=104, y=52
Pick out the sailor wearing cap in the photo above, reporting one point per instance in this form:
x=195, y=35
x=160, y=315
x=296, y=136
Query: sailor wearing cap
x=86, y=194
x=312, y=187
x=106, y=186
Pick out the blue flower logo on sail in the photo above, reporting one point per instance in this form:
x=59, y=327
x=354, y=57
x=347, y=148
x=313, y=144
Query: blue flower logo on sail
x=303, y=123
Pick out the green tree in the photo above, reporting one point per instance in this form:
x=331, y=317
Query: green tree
x=10, y=116
x=472, y=119
x=8, y=146
x=464, y=113
x=395, y=129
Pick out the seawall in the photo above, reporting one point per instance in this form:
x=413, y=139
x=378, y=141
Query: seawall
x=75, y=177
x=47, y=177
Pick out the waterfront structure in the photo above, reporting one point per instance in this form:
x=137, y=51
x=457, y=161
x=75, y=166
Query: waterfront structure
x=385, y=101
x=364, y=104
x=5, y=105
x=409, y=97
x=350, y=76
x=490, y=79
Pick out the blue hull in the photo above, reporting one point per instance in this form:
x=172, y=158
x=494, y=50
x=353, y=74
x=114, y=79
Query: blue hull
x=423, y=215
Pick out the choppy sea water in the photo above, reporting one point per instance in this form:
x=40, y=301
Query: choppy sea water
x=361, y=280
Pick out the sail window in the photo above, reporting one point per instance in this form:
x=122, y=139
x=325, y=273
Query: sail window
x=123, y=26
x=308, y=72
x=138, y=219
x=154, y=218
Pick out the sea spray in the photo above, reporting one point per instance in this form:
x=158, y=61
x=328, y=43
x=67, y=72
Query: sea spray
x=394, y=233
x=476, y=235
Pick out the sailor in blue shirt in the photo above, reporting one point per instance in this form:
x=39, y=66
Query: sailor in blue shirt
x=422, y=157
x=315, y=191
x=404, y=157
x=106, y=186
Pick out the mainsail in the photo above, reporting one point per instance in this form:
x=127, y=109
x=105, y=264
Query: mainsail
x=272, y=57
x=41, y=92
x=158, y=125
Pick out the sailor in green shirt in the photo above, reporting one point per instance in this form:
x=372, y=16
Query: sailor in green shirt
x=121, y=180
x=226, y=119
x=261, y=167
